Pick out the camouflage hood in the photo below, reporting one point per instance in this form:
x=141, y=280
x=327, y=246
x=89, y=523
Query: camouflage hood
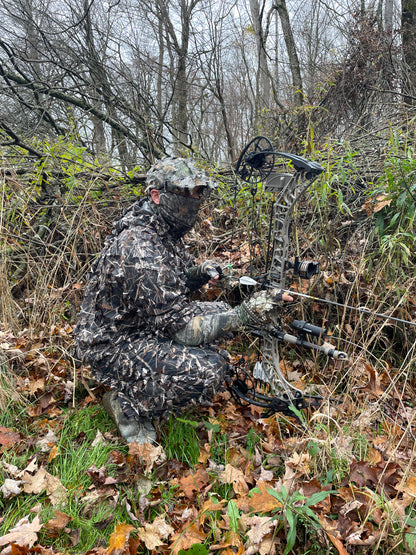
x=172, y=173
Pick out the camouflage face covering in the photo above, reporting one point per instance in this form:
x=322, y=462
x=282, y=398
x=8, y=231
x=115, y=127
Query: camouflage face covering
x=179, y=212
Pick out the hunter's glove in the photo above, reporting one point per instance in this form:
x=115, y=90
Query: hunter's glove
x=200, y=275
x=261, y=308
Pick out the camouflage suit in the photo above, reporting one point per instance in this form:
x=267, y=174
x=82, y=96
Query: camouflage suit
x=136, y=299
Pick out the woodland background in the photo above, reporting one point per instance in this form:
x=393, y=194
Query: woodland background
x=92, y=92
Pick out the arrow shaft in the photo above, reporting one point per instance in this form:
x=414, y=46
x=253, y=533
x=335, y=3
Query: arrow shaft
x=349, y=307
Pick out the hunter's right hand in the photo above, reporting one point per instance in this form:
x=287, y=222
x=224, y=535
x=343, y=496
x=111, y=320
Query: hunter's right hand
x=263, y=306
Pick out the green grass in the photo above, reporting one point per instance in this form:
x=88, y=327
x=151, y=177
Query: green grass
x=180, y=440
x=76, y=455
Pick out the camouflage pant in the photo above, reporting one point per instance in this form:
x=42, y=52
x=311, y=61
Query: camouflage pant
x=153, y=378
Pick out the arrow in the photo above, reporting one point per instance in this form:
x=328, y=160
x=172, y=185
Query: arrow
x=245, y=280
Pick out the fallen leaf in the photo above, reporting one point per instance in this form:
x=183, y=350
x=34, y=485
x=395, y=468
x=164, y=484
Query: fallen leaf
x=154, y=534
x=409, y=486
x=296, y=466
x=194, y=482
x=259, y=499
x=210, y=505
x=374, y=457
x=10, y=487
x=374, y=384
x=99, y=438
x=42, y=480
x=8, y=438
x=119, y=539
x=56, y=524
x=364, y=535
x=362, y=474
x=147, y=454
x=374, y=205
x=47, y=442
x=204, y=453
x=257, y=528
x=53, y=453
x=234, y=476
x=337, y=544
x=24, y=533
x=12, y=469
x=75, y=536
x=188, y=536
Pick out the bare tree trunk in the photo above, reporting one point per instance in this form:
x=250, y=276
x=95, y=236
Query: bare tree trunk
x=263, y=88
x=298, y=95
x=388, y=17
x=280, y=6
x=178, y=45
x=409, y=50
x=101, y=82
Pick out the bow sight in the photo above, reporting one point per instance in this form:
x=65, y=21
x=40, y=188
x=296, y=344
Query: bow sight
x=257, y=161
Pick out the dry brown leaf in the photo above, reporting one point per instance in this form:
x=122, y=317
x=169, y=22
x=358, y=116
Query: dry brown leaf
x=58, y=523
x=118, y=544
x=24, y=533
x=231, y=545
x=148, y=454
x=364, y=535
x=42, y=480
x=12, y=469
x=409, y=486
x=257, y=528
x=374, y=205
x=398, y=506
x=10, y=487
x=154, y=534
x=204, y=453
x=296, y=466
x=374, y=457
x=194, y=482
x=99, y=476
x=337, y=544
x=99, y=438
x=235, y=545
x=261, y=501
x=362, y=474
x=374, y=384
x=234, y=476
x=47, y=442
x=210, y=506
x=8, y=438
x=53, y=453
x=184, y=539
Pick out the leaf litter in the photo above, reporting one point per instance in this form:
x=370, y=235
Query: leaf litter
x=374, y=491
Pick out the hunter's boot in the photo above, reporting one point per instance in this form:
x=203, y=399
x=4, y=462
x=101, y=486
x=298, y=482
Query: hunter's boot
x=140, y=430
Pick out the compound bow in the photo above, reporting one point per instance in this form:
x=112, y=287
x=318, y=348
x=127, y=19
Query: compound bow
x=257, y=164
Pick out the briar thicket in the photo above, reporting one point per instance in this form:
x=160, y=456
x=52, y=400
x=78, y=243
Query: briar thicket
x=91, y=94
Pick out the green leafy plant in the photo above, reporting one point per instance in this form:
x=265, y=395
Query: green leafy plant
x=296, y=508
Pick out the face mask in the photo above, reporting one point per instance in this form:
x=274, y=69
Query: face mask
x=179, y=212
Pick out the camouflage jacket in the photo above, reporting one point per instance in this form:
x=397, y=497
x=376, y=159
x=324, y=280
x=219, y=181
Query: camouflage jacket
x=138, y=286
